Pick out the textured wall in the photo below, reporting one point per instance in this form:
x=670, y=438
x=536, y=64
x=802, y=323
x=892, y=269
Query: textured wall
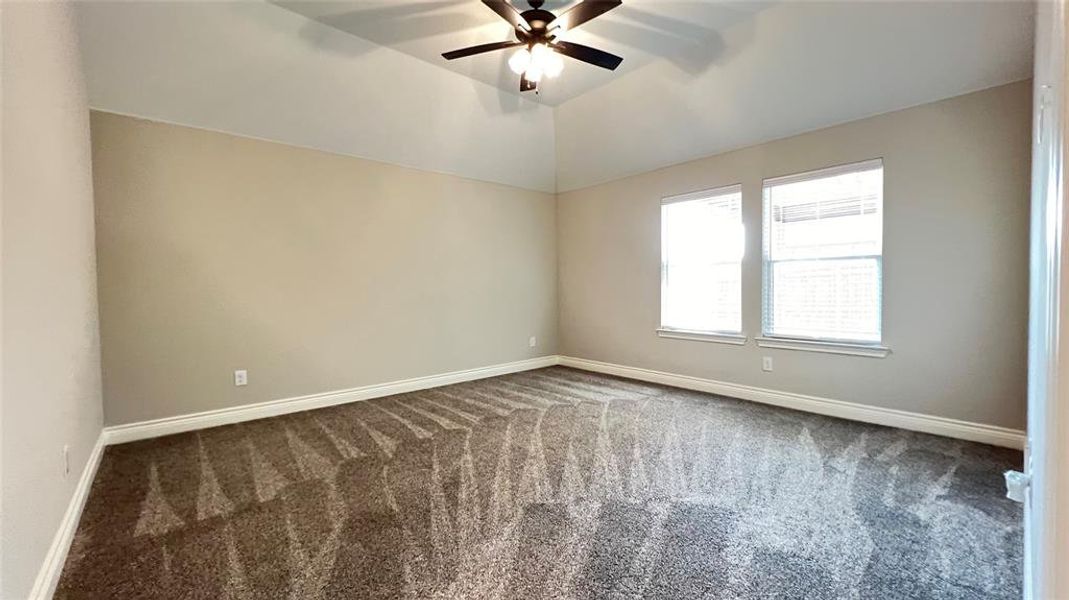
x=51, y=352
x=314, y=271
x=956, y=176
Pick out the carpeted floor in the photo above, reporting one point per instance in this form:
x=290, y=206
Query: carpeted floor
x=549, y=484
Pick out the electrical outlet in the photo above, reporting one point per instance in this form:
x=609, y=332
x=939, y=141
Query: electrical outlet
x=532, y=342
x=766, y=363
x=241, y=377
x=66, y=461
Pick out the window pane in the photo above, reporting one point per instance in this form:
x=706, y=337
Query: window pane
x=703, y=297
x=702, y=231
x=827, y=217
x=823, y=254
x=835, y=298
x=702, y=246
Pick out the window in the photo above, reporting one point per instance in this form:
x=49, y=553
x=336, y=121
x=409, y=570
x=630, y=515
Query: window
x=823, y=254
x=701, y=263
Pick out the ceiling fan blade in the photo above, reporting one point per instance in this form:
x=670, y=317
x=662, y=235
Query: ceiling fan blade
x=581, y=13
x=587, y=54
x=479, y=49
x=508, y=12
x=525, y=85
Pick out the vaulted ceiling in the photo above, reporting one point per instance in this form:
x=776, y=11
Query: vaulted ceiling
x=366, y=77
x=641, y=31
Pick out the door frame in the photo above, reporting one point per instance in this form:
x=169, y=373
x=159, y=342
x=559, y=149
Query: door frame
x=1047, y=452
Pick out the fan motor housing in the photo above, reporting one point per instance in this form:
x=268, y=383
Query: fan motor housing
x=538, y=19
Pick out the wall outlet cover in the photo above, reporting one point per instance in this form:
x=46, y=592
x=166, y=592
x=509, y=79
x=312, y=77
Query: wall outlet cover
x=241, y=377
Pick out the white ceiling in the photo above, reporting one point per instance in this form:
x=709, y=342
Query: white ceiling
x=640, y=31
x=698, y=77
x=257, y=70
x=792, y=67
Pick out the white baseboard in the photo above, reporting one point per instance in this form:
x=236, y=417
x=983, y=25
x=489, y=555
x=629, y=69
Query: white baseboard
x=118, y=434
x=52, y=567
x=965, y=430
x=974, y=432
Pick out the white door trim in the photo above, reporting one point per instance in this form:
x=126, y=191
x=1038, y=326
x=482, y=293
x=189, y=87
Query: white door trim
x=1047, y=454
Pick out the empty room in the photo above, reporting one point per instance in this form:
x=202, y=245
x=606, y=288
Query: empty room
x=519, y=299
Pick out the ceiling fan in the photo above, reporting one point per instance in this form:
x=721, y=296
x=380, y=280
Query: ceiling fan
x=537, y=31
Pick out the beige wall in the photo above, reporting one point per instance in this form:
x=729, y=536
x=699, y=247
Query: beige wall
x=313, y=271
x=955, y=262
x=319, y=272
x=50, y=352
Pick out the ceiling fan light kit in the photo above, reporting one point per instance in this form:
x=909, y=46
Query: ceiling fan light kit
x=537, y=32
x=539, y=60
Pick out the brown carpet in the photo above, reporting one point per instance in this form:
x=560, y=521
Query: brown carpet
x=549, y=484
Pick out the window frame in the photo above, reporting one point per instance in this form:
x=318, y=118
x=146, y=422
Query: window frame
x=735, y=338
x=832, y=345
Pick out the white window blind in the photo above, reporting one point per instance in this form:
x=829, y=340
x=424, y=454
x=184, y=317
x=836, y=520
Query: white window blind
x=823, y=254
x=702, y=243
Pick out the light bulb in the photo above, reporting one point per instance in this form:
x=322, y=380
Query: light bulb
x=520, y=61
x=534, y=73
x=553, y=64
x=539, y=54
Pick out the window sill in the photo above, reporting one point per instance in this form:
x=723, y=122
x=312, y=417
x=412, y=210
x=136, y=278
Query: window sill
x=870, y=350
x=735, y=339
